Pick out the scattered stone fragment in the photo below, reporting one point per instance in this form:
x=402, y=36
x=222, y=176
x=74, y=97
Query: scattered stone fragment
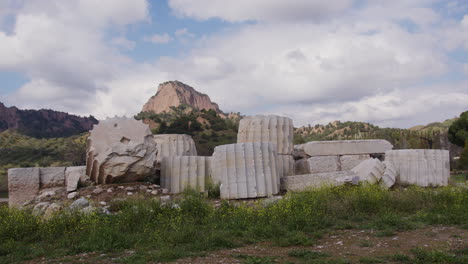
x=171, y=145
x=154, y=192
x=102, y=203
x=73, y=175
x=72, y=195
x=46, y=194
x=40, y=208
x=390, y=175
x=130, y=189
x=121, y=187
x=164, y=191
x=23, y=185
x=129, y=193
x=79, y=204
x=271, y=200
x=51, y=210
x=98, y=190
x=110, y=190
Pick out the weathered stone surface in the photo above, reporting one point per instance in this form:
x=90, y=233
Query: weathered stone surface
x=51, y=210
x=120, y=150
x=423, y=167
x=347, y=162
x=40, y=208
x=23, y=185
x=170, y=145
x=179, y=173
x=246, y=170
x=345, y=147
x=370, y=170
x=275, y=129
x=52, y=177
x=323, y=164
x=306, y=181
x=285, y=165
x=319, y=164
x=73, y=175
x=72, y=195
x=390, y=175
x=79, y=204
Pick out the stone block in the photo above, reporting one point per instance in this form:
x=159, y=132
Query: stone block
x=345, y=147
x=170, y=145
x=319, y=164
x=370, y=170
x=179, y=173
x=23, y=185
x=275, y=129
x=390, y=175
x=423, y=167
x=285, y=165
x=347, y=162
x=316, y=180
x=52, y=177
x=120, y=150
x=246, y=170
x=74, y=175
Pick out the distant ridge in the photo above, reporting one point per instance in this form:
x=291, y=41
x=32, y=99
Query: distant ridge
x=44, y=123
x=174, y=94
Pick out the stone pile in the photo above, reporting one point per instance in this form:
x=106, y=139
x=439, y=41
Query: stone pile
x=172, y=145
x=120, y=150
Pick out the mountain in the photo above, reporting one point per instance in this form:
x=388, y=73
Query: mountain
x=43, y=123
x=174, y=94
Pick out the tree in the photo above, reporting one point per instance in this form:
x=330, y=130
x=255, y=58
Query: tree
x=463, y=161
x=458, y=131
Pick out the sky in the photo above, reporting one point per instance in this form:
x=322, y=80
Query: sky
x=392, y=63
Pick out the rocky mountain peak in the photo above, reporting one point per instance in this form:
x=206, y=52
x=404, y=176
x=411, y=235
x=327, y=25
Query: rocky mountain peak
x=175, y=93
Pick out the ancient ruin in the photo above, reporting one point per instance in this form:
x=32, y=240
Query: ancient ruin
x=246, y=170
x=120, y=150
x=170, y=145
x=345, y=147
x=308, y=181
x=179, y=173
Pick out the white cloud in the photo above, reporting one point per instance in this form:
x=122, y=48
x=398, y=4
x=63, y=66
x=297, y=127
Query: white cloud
x=124, y=43
x=465, y=68
x=159, y=38
x=260, y=10
x=183, y=32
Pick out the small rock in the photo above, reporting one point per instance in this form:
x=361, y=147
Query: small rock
x=271, y=200
x=143, y=187
x=155, y=192
x=149, y=190
x=165, y=199
x=129, y=193
x=102, y=203
x=51, y=210
x=110, y=190
x=46, y=194
x=88, y=196
x=72, y=195
x=79, y=204
x=155, y=186
x=130, y=189
x=175, y=206
x=164, y=191
x=40, y=208
x=121, y=187
x=98, y=190
x=88, y=209
x=105, y=210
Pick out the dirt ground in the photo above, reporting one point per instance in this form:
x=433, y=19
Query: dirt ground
x=351, y=245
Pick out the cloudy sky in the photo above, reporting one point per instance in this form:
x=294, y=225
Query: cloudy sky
x=393, y=63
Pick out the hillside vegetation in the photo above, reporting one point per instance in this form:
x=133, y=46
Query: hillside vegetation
x=207, y=128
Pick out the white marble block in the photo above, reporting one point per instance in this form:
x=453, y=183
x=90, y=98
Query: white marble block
x=275, y=129
x=23, y=185
x=316, y=180
x=390, y=175
x=170, y=145
x=345, y=147
x=370, y=170
x=246, y=170
x=347, y=162
x=285, y=165
x=423, y=167
x=179, y=173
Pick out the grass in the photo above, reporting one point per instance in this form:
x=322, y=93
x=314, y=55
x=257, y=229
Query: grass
x=163, y=232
